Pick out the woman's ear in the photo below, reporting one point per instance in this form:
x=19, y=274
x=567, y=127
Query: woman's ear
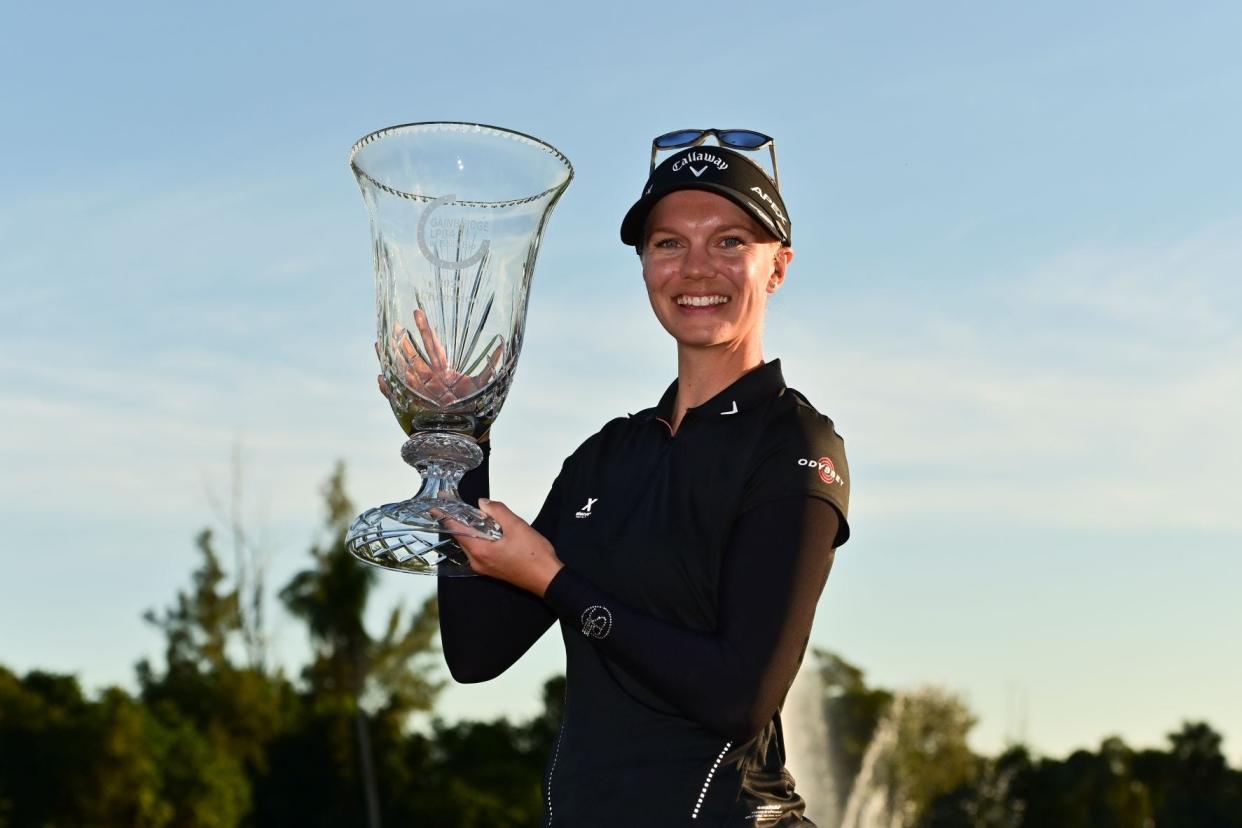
x=780, y=264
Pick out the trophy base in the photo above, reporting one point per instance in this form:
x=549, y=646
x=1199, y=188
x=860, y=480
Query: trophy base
x=412, y=536
x=416, y=535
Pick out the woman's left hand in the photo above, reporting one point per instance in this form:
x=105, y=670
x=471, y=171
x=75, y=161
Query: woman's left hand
x=523, y=557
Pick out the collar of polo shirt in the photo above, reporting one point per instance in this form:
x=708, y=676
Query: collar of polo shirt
x=749, y=391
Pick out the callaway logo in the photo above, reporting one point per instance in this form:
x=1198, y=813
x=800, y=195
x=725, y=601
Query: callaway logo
x=827, y=471
x=775, y=210
x=705, y=157
x=585, y=511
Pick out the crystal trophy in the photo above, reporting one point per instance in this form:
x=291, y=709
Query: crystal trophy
x=457, y=212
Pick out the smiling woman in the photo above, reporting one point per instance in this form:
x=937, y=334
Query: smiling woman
x=709, y=268
x=682, y=548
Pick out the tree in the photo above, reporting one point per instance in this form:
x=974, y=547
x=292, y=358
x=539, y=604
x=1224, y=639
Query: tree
x=477, y=774
x=351, y=670
x=198, y=626
x=1192, y=785
x=918, y=753
x=853, y=710
x=250, y=562
x=217, y=718
x=68, y=761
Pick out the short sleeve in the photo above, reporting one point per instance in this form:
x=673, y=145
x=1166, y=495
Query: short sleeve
x=801, y=455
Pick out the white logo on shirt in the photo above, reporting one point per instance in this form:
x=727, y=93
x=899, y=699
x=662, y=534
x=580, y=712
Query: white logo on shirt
x=596, y=622
x=767, y=814
x=585, y=511
x=776, y=211
x=827, y=469
x=732, y=411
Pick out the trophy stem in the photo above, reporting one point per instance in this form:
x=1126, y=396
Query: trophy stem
x=416, y=535
x=441, y=457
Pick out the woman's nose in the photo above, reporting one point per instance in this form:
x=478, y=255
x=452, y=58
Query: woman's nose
x=697, y=263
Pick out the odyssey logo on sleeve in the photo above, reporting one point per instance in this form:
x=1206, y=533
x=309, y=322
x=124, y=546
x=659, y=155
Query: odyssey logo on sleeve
x=826, y=468
x=585, y=511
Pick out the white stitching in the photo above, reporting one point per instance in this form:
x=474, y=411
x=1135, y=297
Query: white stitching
x=555, y=753
x=708, y=781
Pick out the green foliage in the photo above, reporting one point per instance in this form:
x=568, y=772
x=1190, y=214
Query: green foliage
x=395, y=671
x=47, y=724
x=331, y=599
x=213, y=743
x=853, y=710
x=198, y=626
x=1190, y=786
x=216, y=718
x=988, y=799
x=930, y=756
x=68, y=761
x=204, y=781
x=481, y=774
x=917, y=754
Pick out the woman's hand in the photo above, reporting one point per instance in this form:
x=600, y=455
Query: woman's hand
x=433, y=378
x=523, y=557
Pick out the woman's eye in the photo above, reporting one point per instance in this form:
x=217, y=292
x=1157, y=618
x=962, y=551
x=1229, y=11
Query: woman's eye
x=668, y=242
x=732, y=241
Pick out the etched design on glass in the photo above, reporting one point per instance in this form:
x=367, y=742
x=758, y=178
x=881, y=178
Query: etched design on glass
x=457, y=212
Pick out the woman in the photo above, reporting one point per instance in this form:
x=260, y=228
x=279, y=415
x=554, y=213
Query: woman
x=682, y=548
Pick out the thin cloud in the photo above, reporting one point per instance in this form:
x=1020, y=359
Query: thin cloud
x=1107, y=429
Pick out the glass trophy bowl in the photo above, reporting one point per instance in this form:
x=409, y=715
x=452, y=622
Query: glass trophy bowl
x=457, y=212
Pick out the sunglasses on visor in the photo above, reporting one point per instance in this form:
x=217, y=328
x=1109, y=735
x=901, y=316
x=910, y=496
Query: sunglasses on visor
x=740, y=139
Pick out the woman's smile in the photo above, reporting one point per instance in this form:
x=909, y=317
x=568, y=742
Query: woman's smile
x=693, y=303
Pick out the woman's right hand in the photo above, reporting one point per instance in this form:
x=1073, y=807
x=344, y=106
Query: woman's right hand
x=433, y=378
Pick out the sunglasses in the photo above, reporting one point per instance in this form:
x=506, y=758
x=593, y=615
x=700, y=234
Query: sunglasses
x=741, y=139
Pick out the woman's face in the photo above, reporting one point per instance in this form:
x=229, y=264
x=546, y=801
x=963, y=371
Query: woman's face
x=709, y=267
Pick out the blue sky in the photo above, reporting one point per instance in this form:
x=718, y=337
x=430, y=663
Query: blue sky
x=1019, y=243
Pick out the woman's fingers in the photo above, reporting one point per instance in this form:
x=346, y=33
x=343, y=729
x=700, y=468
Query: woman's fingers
x=502, y=514
x=495, y=509
x=476, y=549
x=406, y=349
x=489, y=370
x=461, y=387
x=435, y=349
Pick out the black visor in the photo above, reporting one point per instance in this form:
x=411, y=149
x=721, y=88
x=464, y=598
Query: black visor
x=716, y=170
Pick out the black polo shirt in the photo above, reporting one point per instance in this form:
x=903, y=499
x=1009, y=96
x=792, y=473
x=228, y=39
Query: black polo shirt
x=643, y=520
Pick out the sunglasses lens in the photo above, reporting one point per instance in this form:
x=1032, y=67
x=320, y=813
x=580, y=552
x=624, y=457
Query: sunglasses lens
x=670, y=140
x=743, y=138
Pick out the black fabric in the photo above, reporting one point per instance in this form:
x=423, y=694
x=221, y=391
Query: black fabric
x=693, y=566
x=732, y=678
x=485, y=624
